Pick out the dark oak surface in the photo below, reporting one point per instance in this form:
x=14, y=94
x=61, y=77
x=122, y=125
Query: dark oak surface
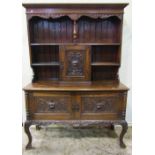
x=76, y=5
x=75, y=56
x=61, y=86
x=53, y=26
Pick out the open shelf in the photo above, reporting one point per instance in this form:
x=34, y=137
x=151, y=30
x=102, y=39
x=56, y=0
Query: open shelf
x=104, y=64
x=46, y=72
x=105, y=55
x=102, y=37
x=60, y=30
x=46, y=64
x=101, y=73
x=45, y=55
x=98, y=30
x=51, y=30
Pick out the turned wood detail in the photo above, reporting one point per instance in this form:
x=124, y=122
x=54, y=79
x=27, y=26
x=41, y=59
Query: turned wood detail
x=27, y=105
x=75, y=31
x=124, y=105
x=123, y=99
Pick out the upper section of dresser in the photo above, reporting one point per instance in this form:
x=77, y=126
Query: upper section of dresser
x=75, y=42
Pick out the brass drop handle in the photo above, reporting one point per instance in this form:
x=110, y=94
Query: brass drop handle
x=51, y=105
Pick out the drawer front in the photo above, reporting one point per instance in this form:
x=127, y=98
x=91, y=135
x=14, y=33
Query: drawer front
x=102, y=106
x=50, y=106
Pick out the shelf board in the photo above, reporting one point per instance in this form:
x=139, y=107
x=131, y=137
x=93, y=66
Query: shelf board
x=46, y=64
x=50, y=44
x=104, y=64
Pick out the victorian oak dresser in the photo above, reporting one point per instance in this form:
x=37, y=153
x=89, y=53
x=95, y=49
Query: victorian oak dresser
x=75, y=55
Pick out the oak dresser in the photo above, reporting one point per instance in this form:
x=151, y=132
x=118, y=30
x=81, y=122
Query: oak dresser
x=75, y=55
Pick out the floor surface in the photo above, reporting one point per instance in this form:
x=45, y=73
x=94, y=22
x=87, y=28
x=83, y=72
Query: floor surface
x=60, y=140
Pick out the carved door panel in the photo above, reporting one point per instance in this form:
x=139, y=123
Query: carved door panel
x=75, y=63
x=101, y=106
x=51, y=106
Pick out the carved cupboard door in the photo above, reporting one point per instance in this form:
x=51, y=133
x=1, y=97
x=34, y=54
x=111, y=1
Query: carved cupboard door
x=101, y=106
x=75, y=63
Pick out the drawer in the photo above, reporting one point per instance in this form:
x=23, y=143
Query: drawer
x=50, y=106
x=101, y=106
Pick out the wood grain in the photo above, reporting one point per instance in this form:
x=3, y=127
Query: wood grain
x=75, y=55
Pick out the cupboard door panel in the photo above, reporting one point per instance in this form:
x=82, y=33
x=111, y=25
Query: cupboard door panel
x=75, y=63
x=101, y=106
x=51, y=106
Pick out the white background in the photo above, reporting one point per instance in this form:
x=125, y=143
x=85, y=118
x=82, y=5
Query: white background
x=143, y=79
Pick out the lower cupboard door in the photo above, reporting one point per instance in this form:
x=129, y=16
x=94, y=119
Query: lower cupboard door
x=51, y=106
x=101, y=107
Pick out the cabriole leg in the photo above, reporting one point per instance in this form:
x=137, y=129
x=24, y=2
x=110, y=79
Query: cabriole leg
x=27, y=131
x=124, y=130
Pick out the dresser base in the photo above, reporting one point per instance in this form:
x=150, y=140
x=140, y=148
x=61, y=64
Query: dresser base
x=75, y=123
